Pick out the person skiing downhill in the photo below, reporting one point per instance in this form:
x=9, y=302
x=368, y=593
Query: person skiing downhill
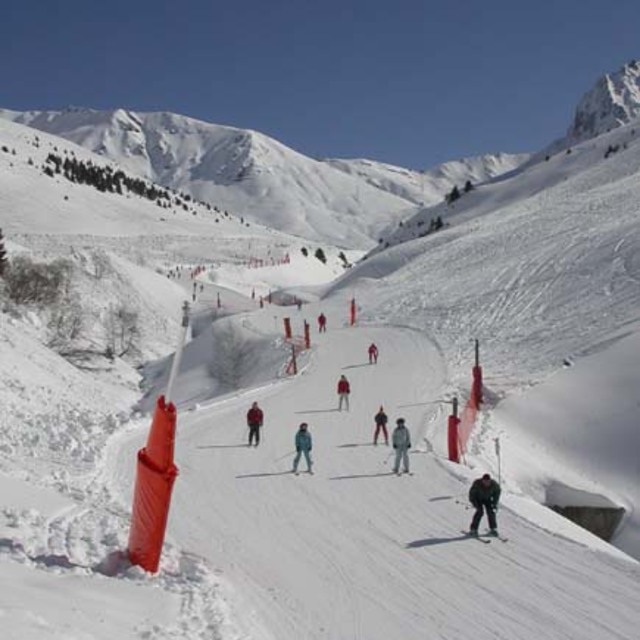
x=344, y=389
x=303, y=446
x=381, y=426
x=401, y=440
x=484, y=496
x=373, y=353
x=255, y=418
x=322, y=323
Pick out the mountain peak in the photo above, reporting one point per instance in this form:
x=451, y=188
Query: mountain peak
x=613, y=101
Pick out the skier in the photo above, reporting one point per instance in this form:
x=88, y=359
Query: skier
x=344, y=389
x=303, y=446
x=401, y=440
x=381, y=425
x=484, y=495
x=373, y=353
x=322, y=323
x=255, y=418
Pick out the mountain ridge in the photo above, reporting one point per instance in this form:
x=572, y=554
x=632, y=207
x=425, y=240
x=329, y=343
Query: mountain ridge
x=256, y=176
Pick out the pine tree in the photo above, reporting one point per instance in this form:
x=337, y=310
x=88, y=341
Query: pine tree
x=4, y=262
x=320, y=255
x=468, y=186
x=453, y=195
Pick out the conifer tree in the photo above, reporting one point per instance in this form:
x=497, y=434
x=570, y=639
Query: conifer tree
x=453, y=195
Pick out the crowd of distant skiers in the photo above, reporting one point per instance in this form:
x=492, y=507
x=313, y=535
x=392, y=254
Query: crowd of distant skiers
x=484, y=493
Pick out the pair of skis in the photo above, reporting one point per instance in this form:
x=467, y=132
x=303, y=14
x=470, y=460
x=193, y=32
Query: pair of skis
x=483, y=539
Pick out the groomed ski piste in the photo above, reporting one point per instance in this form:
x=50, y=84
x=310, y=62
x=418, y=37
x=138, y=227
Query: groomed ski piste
x=352, y=552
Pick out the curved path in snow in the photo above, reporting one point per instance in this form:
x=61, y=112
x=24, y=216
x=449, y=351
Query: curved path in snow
x=354, y=552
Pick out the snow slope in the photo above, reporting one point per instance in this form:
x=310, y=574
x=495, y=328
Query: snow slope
x=541, y=267
x=259, y=178
x=430, y=186
x=357, y=552
x=244, y=171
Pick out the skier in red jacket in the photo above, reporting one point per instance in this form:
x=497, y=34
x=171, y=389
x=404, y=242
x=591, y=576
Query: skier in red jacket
x=322, y=323
x=343, y=392
x=373, y=353
x=255, y=418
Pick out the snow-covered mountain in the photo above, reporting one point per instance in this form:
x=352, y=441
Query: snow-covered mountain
x=257, y=177
x=541, y=266
x=243, y=171
x=430, y=186
x=613, y=101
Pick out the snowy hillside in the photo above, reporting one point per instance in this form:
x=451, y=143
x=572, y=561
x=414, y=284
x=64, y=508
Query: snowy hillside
x=613, y=101
x=259, y=178
x=243, y=171
x=589, y=164
x=541, y=266
x=430, y=186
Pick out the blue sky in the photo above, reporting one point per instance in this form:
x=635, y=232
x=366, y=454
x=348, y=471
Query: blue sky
x=410, y=82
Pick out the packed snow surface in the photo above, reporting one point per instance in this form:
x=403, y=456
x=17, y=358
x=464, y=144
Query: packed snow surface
x=540, y=267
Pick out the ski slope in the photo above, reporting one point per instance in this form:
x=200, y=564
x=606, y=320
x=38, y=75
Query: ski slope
x=355, y=551
x=541, y=266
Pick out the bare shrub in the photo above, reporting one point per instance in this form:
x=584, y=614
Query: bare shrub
x=101, y=263
x=30, y=282
x=122, y=332
x=65, y=323
x=232, y=356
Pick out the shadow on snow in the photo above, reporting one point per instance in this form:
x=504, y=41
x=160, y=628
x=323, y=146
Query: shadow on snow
x=264, y=475
x=430, y=542
x=364, y=475
x=222, y=446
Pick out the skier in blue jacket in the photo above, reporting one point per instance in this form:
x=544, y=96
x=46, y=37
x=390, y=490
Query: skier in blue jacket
x=303, y=446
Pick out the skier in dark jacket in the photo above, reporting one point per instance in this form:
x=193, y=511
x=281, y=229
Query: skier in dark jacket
x=381, y=425
x=484, y=496
x=255, y=418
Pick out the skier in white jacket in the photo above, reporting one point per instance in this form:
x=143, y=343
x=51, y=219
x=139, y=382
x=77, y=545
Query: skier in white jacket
x=401, y=440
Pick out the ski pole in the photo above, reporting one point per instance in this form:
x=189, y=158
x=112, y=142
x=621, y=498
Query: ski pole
x=285, y=456
x=496, y=442
x=387, y=458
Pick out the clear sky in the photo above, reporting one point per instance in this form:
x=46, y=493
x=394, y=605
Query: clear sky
x=410, y=82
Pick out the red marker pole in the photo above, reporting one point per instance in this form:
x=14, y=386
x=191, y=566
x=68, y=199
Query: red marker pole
x=453, y=438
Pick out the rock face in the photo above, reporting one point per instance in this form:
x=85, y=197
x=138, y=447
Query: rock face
x=613, y=101
x=602, y=522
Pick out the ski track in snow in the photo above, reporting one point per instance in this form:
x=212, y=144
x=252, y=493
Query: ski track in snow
x=352, y=552
x=322, y=556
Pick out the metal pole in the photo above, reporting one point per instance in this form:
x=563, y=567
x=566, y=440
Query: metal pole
x=454, y=404
x=477, y=349
x=178, y=354
x=496, y=442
